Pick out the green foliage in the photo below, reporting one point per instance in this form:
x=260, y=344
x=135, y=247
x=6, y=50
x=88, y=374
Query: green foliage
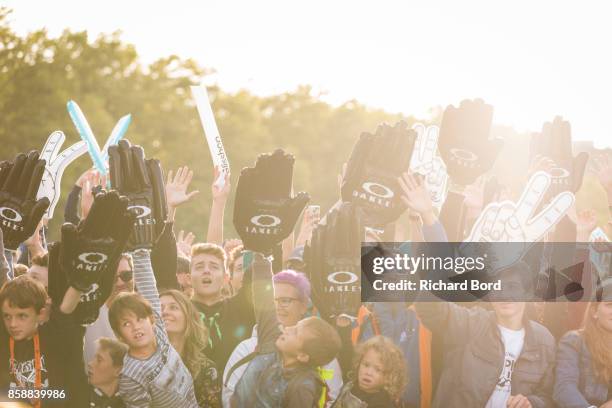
x=39, y=74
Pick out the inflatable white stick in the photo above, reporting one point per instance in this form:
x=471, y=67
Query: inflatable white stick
x=211, y=132
x=50, y=186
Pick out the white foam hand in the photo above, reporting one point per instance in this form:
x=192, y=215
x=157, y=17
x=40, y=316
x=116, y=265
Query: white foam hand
x=516, y=223
x=507, y=221
x=55, y=165
x=426, y=162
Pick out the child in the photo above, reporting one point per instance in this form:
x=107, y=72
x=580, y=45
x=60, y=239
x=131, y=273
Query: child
x=283, y=371
x=153, y=373
x=381, y=376
x=229, y=319
x=36, y=354
x=103, y=372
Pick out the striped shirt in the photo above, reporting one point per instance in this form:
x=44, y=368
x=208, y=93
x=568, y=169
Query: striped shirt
x=161, y=380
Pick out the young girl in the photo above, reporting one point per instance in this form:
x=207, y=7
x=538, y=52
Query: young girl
x=189, y=337
x=380, y=373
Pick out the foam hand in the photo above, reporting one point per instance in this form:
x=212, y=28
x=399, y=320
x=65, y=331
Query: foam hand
x=20, y=210
x=56, y=163
x=464, y=141
x=265, y=212
x=376, y=162
x=555, y=143
x=426, y=162
x=142, y=182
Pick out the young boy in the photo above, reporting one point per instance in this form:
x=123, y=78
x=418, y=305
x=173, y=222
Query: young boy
x=153, y=373
x=35, y=355
x=103, y=372
x=229, y=320
x=284, y=371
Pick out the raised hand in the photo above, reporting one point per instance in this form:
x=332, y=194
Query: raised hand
x=464, y=141
x=56, y=163
x=416, y=196
x=370, y=180
x=309, y=221
x=586, y=222
x=143, y=183
x=177, y=185
x=94, y=247
x=426, y=162
x=20, y=211
x=89, y=184
x=604, y=173
x=184, y=243
x=555, y=145
x=220, y=191
x=265, y=212
x=333, y=259
x=474, y=198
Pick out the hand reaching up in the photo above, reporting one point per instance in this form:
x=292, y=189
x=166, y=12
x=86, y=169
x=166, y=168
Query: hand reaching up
x=177, y=185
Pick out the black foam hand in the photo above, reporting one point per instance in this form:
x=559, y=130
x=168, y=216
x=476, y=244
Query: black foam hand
x=92, y=250
x=555, y=143
x=142, y=182
x=333, y=263
x=376, y=162
x=20, y=212
x=265, y=213
x=464, y=141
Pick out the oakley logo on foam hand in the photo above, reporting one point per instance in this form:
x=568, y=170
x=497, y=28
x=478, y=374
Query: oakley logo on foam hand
x=142, y=212
x=93, y=258
x=265, y=224
x=342, y=281
x=11, y=218
x=464, y=157
x=560, y=175
x=10, y=215
x=375, y=193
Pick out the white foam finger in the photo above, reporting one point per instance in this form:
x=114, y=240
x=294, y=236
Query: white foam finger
x=549, y=216
x=532, y=195
x=52, y=146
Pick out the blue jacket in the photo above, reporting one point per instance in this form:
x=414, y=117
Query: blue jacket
x=576, y=385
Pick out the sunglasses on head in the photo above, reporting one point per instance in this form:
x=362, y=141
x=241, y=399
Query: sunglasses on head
x=126, y=276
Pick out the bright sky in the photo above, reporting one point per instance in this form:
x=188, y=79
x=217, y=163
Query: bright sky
x=530, y=59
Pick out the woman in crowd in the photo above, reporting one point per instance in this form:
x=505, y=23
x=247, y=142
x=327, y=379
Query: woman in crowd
x=189, y=337
x=584, y=358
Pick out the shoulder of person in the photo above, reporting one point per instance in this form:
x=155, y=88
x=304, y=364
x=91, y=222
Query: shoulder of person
x=542, y=335
x=573, y=338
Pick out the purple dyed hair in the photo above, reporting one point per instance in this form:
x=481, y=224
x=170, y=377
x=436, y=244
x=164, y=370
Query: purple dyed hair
x=296, y=279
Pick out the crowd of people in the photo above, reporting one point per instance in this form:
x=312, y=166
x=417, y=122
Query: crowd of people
x=124, y=311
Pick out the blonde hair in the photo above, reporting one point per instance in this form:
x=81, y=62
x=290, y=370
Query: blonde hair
x=210, y=249
x=196, y=334
x=599, y=343
x=394, y=366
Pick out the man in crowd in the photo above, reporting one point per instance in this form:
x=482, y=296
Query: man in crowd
x=229, y=320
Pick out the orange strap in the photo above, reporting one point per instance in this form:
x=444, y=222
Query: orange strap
x=363, y=315
x=37, y=366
